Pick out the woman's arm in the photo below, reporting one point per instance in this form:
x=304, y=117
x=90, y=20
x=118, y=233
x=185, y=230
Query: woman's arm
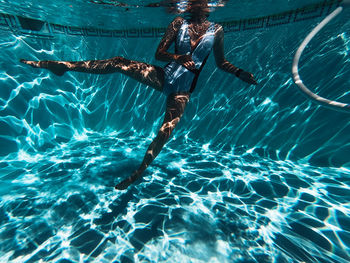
x=223, y=64
x=169, y=37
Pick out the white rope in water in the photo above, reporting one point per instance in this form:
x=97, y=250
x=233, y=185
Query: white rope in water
x=308, y=93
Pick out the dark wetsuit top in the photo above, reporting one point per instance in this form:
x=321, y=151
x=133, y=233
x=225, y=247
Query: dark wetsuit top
x=177, y=77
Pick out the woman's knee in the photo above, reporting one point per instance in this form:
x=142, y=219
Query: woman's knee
x=118, y=60
x=168, y=127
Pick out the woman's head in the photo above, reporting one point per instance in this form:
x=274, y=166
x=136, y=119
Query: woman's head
x=198, y=7
x=193, y=7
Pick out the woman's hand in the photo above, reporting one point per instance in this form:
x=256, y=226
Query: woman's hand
x=247, y=77
x=186, y=61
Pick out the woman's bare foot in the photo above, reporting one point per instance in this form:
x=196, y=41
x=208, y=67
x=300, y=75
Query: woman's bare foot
x=56, y=67
x=128, y=181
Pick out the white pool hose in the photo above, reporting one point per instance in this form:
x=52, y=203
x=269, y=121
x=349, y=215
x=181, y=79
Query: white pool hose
x=308, y=93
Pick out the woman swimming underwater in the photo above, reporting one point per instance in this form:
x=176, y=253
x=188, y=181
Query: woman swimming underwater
x=194, y=39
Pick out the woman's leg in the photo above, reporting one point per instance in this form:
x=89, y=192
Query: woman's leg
x=145, y=73
x=175, y=107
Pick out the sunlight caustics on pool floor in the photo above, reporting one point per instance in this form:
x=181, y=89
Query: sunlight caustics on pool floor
x=251, y=173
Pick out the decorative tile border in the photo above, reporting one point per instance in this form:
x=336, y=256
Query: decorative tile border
x=309, y=12
x=255, y=23
x=40, y=29
x=280, y=19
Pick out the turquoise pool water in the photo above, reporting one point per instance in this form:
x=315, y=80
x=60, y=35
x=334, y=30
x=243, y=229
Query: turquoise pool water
x=251, y=173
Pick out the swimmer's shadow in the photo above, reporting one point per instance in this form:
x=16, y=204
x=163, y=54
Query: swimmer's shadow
x=151, y=215
x=88, y=240
x=110, y=176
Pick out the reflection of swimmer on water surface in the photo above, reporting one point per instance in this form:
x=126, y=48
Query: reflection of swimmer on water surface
x=194, y=39
x=171, y=6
